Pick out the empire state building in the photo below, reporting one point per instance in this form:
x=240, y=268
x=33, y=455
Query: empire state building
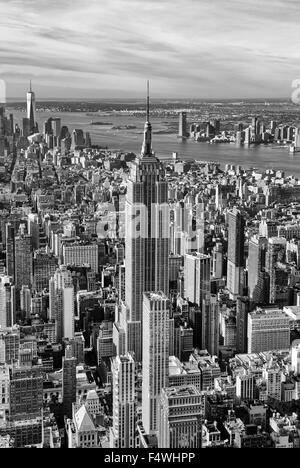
x=146, y=239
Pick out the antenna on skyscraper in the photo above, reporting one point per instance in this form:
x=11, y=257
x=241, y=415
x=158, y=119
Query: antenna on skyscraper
x=148, y=102
x=30, y=87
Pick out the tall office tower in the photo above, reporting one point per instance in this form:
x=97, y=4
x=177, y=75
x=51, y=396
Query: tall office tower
x=180, y=418
x=23, y=259
x=10, y=250
x=56, y=127
x=183, y=133
x=88, y=141
x=247, y=139
x=297, y=138
x=256, y=263
x=217, y=256
x=235, y=262
x=268, y=330
x=68, y=383
x=239, y=138
x=197, y=277
x=47, y=127
x=61, y=303
x=146, y=238
x=26, y=393
x=216, y=123
x=77, y=139
x=155, y=356
x=34, y=229
x=64, y=133
x=273, y=126
x=26, y=127
x=25, y=301
x=275, y=258
x=242, y=311
x=7, y=302
x=44, y=267
x=31, y=110
x=255, y=125
x=124, y=407
x=210, y=325
x=295, y=356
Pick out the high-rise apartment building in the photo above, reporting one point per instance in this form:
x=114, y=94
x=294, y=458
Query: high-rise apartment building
x=155, y=356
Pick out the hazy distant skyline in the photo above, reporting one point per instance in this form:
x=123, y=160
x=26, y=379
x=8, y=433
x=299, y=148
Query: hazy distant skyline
x=108, y=48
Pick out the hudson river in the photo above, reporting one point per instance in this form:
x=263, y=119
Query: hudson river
x=165, y=141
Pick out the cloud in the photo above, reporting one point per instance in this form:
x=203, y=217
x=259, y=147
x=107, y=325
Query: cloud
x=210, y=48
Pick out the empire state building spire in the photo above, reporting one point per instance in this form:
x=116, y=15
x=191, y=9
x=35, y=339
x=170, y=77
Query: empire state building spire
x=147, y=144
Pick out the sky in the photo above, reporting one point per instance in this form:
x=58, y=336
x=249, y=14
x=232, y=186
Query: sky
x=186, y=48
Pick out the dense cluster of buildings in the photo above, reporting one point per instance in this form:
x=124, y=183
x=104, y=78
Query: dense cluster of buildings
x=258, y=132
x=144, y=304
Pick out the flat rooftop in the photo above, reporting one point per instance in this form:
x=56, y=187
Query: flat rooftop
x=184, y=391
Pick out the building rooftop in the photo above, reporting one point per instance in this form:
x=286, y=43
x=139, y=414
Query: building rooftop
x=184, y=391
x=83, y=420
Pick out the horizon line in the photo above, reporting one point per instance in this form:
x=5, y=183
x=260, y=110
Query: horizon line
x=238, y=99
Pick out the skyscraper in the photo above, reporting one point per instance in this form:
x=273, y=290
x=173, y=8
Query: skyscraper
x=146, y=239
x=242, y=310
x=124, y=418
x=180, y=417
x=268, y=330
x=256, y=262
x=23, y=259
x=275, y=258
x=155, y=356
x=61, y=302
x=68, y=382
x=235, y=262
x=7, y=302
x=31, y=110
x=197, y=277
x=182, y=125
